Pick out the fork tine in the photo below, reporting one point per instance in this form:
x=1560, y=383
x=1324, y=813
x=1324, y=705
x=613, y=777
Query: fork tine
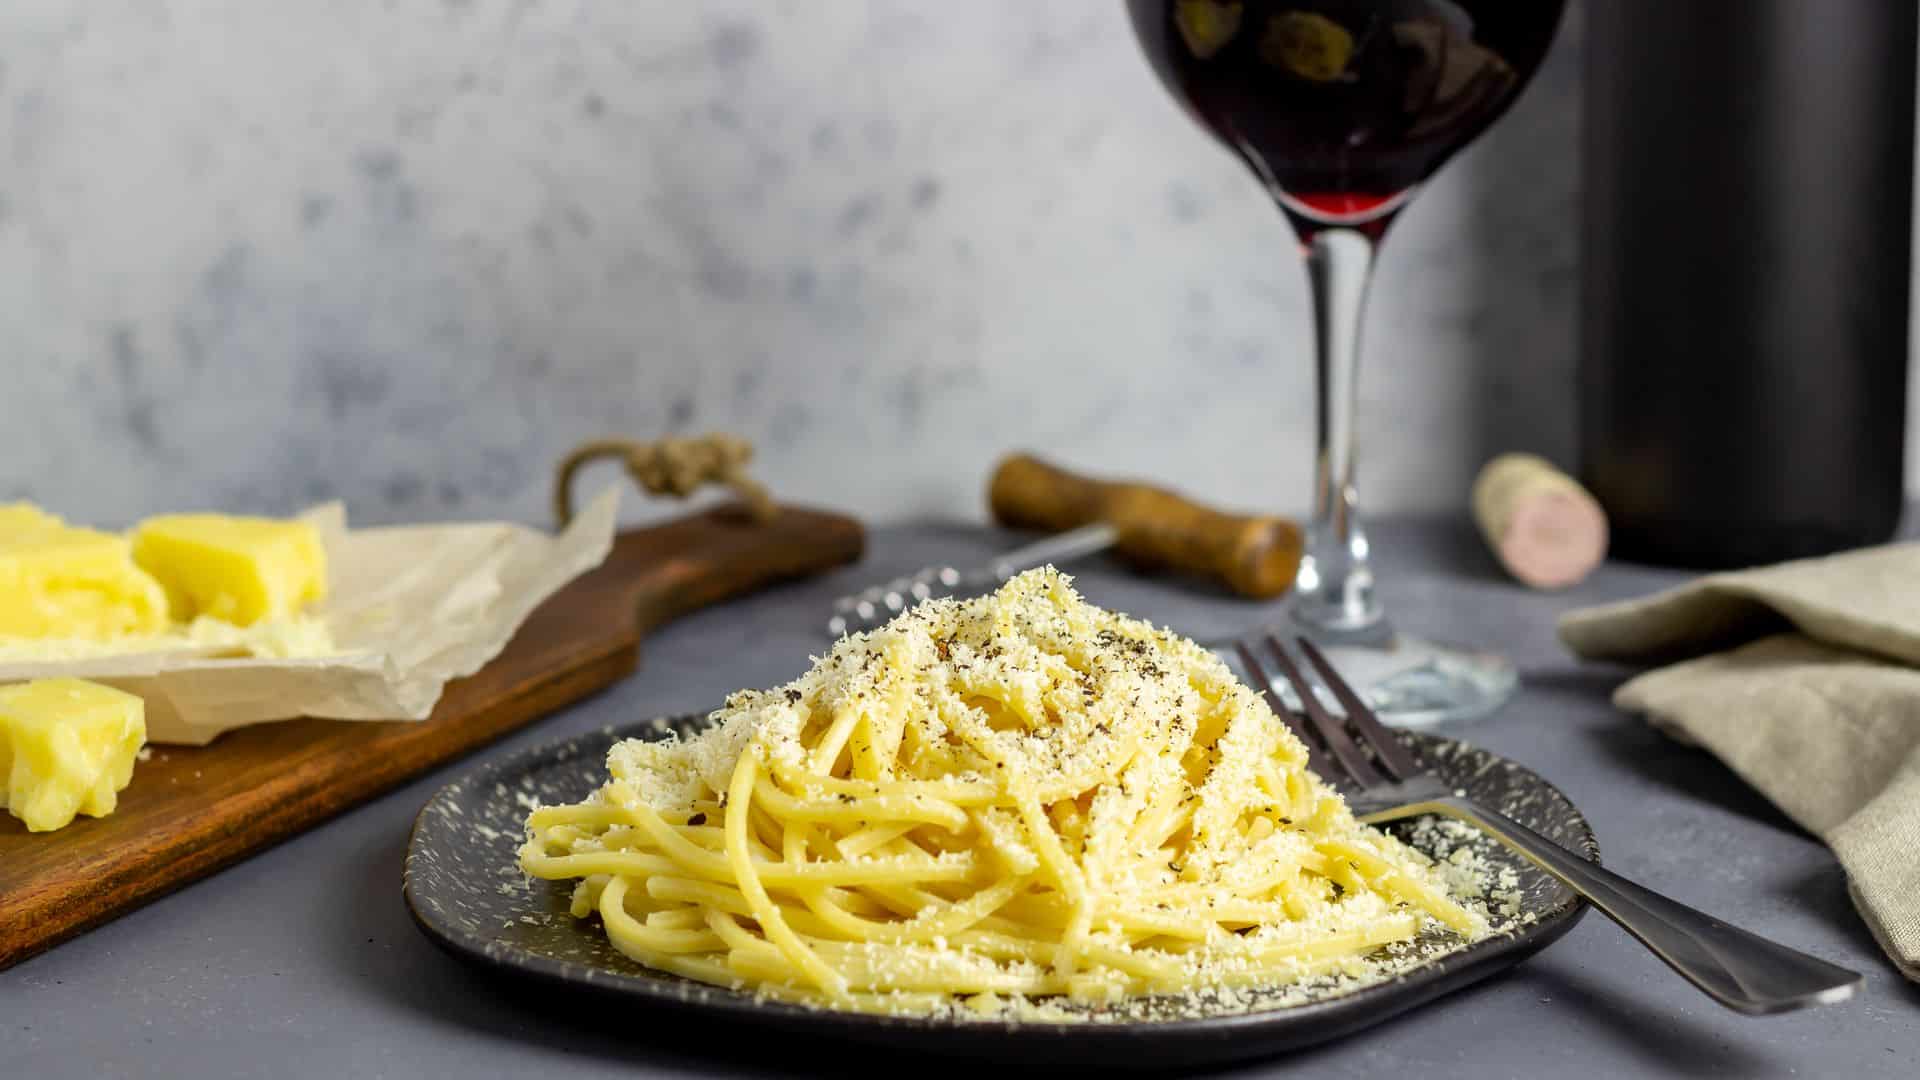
x=1332, y=732
x=1316, y=757
x=1393, y=756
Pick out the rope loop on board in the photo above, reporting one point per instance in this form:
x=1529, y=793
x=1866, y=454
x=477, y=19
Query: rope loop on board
x=671, y=466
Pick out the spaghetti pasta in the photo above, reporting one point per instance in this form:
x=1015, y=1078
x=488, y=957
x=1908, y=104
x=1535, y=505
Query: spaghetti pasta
x=1016, y=796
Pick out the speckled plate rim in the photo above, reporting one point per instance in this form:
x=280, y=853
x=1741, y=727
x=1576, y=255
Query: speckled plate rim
x=1132, y=1043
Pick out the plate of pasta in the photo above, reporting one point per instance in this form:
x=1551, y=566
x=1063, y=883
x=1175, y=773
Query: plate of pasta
x=1013, y=821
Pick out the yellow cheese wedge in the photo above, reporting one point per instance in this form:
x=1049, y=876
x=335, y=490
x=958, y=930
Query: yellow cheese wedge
x=67, y=747
x=237, y=569
x=61, y=582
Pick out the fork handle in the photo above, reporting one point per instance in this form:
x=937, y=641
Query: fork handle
x=1741, y=970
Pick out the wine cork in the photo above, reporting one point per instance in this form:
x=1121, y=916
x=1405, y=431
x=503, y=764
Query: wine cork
x=1544, y=527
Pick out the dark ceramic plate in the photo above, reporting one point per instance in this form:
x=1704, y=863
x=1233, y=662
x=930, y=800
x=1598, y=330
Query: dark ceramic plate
x=467, y=893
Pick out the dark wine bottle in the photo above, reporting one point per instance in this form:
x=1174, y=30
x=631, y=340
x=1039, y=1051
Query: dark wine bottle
x=1748, y=218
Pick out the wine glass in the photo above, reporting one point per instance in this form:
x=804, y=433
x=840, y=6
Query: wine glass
x=1342, y=108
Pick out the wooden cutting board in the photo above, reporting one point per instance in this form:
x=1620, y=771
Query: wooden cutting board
x=192, y=810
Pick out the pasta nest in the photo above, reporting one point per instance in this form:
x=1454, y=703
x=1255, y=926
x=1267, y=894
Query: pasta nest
x=1019, y=795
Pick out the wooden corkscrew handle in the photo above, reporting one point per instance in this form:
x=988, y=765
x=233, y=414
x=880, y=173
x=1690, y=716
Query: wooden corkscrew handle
x=1253, y=556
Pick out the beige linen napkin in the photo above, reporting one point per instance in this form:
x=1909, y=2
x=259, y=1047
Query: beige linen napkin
x=1805, y=679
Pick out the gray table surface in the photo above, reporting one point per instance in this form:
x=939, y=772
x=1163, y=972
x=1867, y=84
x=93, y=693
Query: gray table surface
x=303, y=961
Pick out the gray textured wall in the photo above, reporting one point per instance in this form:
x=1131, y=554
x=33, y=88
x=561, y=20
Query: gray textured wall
x=254, y=254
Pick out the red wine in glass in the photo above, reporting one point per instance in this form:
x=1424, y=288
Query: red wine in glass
x=1342, y=108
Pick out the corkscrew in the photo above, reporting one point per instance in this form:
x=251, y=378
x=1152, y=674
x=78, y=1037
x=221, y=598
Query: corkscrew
x=1255, y=556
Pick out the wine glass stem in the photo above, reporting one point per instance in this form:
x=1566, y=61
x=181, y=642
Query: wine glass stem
x=1334, y=591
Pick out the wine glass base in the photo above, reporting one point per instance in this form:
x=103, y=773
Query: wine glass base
x=1409, y=682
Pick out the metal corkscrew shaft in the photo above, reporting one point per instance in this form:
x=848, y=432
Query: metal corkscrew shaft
x=869, y=608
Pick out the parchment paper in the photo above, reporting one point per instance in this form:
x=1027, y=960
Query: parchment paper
x=409, y=609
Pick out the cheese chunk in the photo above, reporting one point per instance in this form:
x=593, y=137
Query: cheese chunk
x=61, y=582
x=67, y=747
x=236, y=569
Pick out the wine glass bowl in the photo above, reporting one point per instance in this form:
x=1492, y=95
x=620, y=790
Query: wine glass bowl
x=1342, y=107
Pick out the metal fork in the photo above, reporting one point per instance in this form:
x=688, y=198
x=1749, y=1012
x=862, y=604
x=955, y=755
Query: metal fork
x=1743, y=971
